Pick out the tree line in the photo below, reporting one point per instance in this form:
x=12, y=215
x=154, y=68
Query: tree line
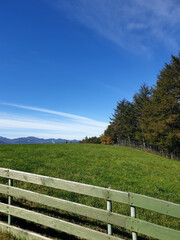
x=153, y=117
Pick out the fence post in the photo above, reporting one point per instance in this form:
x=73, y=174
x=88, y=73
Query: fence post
x=10, y=199
x=133, y=214
x=109, y=208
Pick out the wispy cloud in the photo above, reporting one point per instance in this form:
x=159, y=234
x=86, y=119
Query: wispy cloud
x=71, y=126
x=45, y=125
x=62, y=114
x=137, y=25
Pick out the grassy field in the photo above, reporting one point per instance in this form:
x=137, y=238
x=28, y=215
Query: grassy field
x=5, y=236
x=120, y=168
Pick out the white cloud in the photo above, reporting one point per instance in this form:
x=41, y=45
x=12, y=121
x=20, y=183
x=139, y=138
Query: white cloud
x=62, y=114
x=70, y=127
x=137, y=25
x=43, y=125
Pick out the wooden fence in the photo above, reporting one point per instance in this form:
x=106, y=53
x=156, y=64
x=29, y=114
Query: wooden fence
x=128, y=222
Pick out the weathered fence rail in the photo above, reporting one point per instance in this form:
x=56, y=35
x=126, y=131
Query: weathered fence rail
x=128, y=222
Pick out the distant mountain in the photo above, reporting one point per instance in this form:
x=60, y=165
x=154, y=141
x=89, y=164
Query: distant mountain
x=34, y=140
x=2, y=143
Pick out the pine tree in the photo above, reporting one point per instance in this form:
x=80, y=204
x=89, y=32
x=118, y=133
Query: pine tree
x=124, y=122
x=164, y=108
x=141, y=101
x=154, y=115
x=110, y=132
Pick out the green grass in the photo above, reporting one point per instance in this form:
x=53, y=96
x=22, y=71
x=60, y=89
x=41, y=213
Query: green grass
x=120, y=168
x=6, y=236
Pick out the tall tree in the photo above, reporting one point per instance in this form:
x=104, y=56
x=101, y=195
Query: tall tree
x=163, y=114
x=141, y=99
x=154, y=115
x=123, y=121
x=110, y=132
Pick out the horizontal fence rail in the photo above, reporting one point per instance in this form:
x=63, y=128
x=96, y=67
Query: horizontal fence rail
x=20, y=233
x=70, y=186
x=128, y=222
x=55, y=223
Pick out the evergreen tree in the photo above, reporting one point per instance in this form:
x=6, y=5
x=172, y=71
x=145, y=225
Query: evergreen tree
x=141, y=101
x=165, y=107
x=110, y=132
x=124, y=122
x=95, y=140
x=154, y=115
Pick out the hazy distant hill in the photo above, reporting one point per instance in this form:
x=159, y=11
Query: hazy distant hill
x=33, y=140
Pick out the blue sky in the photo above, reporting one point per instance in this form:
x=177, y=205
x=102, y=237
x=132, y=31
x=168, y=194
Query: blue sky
x=64, y=64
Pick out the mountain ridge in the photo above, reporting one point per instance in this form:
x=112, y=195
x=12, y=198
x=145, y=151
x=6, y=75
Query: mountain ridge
x=33, y=140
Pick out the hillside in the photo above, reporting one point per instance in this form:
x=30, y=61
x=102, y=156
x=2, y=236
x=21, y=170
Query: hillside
x=120, y=168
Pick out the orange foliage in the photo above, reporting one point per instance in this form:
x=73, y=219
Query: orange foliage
x=106, y=140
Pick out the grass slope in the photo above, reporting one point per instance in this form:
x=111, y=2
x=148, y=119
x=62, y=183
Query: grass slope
x=6, y=236
x=120, y=168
